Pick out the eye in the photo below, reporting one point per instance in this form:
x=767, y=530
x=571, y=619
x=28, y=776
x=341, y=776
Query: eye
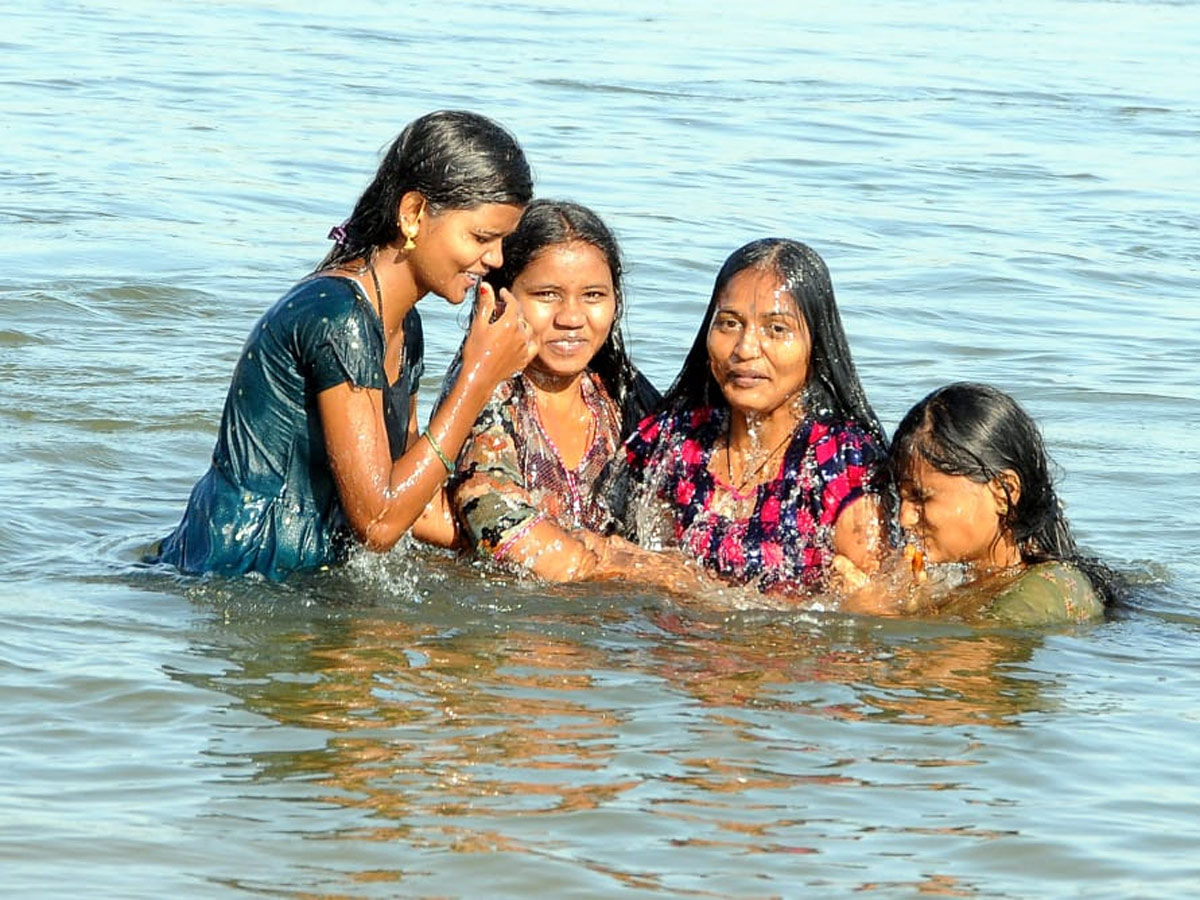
x=545, y=296
x=596, y=296
x=726, y=323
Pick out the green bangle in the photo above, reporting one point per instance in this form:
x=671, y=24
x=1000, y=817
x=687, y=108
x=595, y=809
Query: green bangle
x=438, y=450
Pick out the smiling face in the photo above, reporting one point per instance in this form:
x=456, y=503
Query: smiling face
x=758, y=344
x=456, y=247
x=957, y=520
x=566, y=295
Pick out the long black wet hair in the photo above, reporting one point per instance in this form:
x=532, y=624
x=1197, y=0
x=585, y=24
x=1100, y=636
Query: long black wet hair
x=548, y=223
x=833, y=388
x=455, y=159
x=979, y=432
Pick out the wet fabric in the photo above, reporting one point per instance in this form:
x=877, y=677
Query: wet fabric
x=268, y=504
x=786, y=543
x=1047, y=593
x=511, y=475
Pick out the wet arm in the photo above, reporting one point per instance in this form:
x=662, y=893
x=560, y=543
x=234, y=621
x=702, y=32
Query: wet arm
x=436, y=524
x=858, y=533
x=382, y=499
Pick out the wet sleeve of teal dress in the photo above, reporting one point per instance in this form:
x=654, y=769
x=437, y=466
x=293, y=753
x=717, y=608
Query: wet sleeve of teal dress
x=341, y=339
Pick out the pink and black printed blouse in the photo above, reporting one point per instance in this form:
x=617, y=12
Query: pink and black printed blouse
x=786, y=544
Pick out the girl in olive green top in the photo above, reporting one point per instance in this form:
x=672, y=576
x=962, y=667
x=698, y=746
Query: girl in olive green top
x=975, y=489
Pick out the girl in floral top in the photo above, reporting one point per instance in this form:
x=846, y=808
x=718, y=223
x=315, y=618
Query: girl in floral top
x=768, y=459
x=528, y=492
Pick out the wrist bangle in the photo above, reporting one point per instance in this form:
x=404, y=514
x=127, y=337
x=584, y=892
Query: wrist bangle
x=441, y=454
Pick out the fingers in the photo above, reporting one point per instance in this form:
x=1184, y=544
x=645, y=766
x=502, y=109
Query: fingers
x=485, y=303
x=850, y=573
x=500, y=339
x=510, y=308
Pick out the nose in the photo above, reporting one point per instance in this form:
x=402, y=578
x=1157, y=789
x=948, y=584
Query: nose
x=910, y=515
x=569, y=313
x=748, y=346
x=493, y=256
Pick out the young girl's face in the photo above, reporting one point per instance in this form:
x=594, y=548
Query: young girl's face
x=567, y=296
x=957, y=520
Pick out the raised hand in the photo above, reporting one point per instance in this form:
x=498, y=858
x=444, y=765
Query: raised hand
x=499, y=343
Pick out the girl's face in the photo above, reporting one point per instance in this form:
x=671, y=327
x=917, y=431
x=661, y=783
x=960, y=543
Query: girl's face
x=758, y=343
x=457, y=247
x=567, y=296
x=956, y=519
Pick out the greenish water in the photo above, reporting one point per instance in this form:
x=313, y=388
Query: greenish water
x=1004, y=193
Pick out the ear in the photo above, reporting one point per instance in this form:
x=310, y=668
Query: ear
x=1006, y=491
x=412, y=205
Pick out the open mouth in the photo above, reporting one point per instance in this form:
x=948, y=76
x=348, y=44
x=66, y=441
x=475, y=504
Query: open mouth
x=567, y=345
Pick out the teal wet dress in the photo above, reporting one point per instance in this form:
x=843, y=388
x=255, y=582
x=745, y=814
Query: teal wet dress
x=268, y=504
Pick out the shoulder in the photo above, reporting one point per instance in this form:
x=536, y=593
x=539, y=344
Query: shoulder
x=684, y=423
x=841, y=442
x=597, y=397
x=323, y=291
x=500, y=411
x=319, y=303
x=841, y=433
x=1047, y=593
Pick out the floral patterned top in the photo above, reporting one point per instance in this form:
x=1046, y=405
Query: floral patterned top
x=510, y=475
x=786, y=543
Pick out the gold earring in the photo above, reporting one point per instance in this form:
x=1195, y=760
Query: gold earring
x=409, y=243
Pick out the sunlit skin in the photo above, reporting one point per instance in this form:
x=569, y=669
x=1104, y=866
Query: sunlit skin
x=956, y=519
x=759, y=352
x=457, y=247
x=953, y=519
x=566, y=295
x=383, y=499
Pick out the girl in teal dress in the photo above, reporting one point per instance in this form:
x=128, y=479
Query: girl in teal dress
x=318, y=447
x=975, y=491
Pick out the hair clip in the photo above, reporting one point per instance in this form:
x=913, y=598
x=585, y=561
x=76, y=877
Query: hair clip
x=337, y=234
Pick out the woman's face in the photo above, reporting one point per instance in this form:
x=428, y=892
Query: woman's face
x=566, y=295
x=957, y=520
x=457, y=247
x=758, y=343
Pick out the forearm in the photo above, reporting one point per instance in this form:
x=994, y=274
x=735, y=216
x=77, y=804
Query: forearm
x=551, y=553
x=415, y=479
x=436, y=525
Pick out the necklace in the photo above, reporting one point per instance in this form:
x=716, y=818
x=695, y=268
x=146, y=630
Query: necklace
x=378, y=290
x=740, y=487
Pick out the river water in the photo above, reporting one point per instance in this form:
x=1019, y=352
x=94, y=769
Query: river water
x=1004, y=192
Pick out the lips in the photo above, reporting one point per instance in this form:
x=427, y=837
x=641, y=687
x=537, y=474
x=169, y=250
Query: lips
x=566, y=346
x=744, y=378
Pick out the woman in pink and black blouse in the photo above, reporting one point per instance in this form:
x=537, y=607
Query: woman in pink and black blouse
x=767, y=459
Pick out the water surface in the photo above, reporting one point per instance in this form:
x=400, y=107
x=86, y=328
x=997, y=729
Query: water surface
x=1004, y=193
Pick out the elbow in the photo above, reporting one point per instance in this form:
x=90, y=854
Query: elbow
x=373, y=532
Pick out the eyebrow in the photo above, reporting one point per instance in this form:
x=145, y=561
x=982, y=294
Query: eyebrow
x=547, y=285
x=780, y=314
